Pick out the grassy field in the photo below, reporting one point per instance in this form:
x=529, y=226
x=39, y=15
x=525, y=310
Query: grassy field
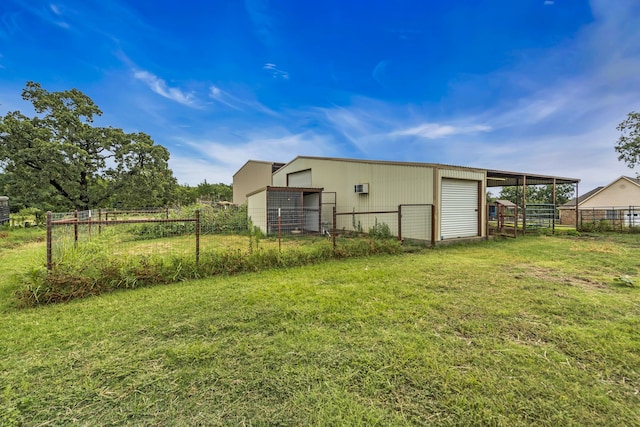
x=537, y=330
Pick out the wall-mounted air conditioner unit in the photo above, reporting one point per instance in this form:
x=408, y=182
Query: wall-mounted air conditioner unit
x=361, y=188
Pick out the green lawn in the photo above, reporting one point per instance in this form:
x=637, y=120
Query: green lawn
x=528, y=331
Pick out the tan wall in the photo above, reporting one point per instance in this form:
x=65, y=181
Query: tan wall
x=618, y=194
x=257, y=209
x=390, y=184
x=252, y=176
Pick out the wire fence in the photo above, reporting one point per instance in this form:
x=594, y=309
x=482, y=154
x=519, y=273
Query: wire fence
x=141, y=233
x=411, y=222
x=187, y=232
x=622, y=218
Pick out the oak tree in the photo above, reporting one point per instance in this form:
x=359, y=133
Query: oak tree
x=60, y=156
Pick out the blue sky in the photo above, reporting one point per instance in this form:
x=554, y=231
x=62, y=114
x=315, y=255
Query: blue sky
x=531, y=85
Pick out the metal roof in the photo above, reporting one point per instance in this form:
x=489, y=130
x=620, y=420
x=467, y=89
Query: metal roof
x=497, y=178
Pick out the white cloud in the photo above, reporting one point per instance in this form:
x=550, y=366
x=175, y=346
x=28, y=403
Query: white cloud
x=192, y=171
x=55, y=9
x=549, y=2
x=237, y=102
x=218, y=160
x=160, y=87
x=436, y=131
x=275, y=72
x=224, y=98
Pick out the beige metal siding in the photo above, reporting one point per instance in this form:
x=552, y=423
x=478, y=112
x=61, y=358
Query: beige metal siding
x=300, y=179
x=389, y=184
x=252, y=176
x=257, y=209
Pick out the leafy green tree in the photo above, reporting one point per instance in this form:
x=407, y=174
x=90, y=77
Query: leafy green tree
x=538, y=194
x=61, y=159
x=185, y=195
x=628, y=146
x=216, y=192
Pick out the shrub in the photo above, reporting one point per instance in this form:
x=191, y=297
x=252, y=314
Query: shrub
x=380, y=231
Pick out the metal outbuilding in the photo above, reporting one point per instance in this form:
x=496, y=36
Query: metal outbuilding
x=445, y=202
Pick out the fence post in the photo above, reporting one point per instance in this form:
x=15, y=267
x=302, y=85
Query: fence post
x=279, y=230
x=400, y=222
x=333, y=232
x=75, y=229
x=197, y=236
x=49, y=245
x=100, y=219
x=433, y=225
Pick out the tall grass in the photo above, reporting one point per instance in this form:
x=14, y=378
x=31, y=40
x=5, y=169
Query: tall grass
x=93, y=268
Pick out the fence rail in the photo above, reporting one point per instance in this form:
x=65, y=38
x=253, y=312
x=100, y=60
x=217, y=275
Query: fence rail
x=87, y=224
x=90, y=236
x=413, y=222
x=609, y=218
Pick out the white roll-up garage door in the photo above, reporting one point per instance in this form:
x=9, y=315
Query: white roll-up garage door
x=301, y=179
x=459, y=209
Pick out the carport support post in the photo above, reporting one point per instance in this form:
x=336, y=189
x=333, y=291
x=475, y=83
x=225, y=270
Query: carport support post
x=553, y=223
x=524, y=204
x=49, y=252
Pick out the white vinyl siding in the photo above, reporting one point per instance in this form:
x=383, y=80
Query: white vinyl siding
x=459, y=210
x=301, y=179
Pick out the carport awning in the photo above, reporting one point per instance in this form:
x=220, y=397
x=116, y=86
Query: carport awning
x=497, y=178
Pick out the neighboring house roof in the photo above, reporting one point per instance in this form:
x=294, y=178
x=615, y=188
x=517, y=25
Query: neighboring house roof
x=571, y=204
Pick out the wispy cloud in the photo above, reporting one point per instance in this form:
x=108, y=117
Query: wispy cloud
x=237, y=102
x=217, y=160
x=160, y=87
x=436, y=130
x=9, y=25
x=275, y=72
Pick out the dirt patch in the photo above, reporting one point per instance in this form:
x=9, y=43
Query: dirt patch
x=554, y=276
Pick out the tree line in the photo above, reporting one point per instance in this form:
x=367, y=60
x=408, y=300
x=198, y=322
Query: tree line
x=59, y=160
